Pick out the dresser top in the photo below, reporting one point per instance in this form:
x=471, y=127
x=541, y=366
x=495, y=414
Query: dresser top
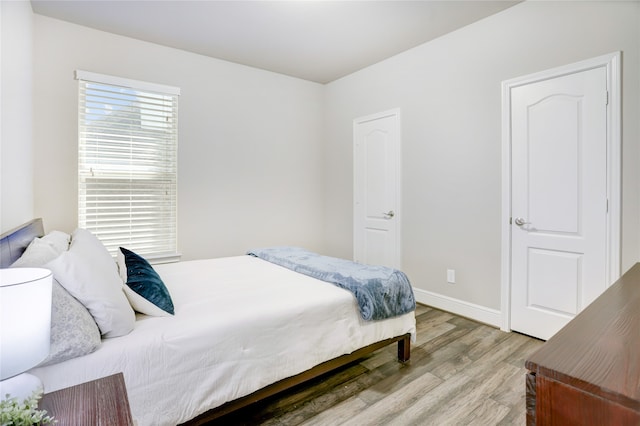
x=599, y=350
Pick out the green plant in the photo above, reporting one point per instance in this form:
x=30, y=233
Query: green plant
x=25, y=413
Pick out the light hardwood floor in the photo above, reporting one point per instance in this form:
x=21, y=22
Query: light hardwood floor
x=461, y=373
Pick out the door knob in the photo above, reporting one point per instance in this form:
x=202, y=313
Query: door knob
x=389, y=214
x=520, y=221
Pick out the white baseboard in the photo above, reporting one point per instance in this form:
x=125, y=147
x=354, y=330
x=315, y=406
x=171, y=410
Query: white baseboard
x=459, y=307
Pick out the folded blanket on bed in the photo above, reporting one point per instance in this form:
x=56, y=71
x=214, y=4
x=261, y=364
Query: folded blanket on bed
x=381, y=292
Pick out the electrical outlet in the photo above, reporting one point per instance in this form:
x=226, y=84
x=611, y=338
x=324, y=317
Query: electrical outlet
x=451, y=276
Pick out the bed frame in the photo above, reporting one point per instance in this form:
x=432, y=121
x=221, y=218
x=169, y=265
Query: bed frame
x=404, y=345
x=14, y=242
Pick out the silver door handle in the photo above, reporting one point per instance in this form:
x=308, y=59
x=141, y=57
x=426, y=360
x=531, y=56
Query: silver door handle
x=520, y=221
x=389, y=214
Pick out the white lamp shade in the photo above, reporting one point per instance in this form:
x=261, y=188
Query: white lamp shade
x=25, y=319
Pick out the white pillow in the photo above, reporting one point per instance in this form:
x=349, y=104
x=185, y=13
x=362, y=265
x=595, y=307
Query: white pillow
x=58, y=240
x=90, y=274
x=43, y=250
x=38, y=253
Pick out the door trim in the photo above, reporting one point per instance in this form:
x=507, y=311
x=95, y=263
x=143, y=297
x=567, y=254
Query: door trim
x=614, y=159
x=395, y=112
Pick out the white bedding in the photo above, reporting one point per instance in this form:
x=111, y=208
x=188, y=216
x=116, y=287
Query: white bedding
x=240, y=324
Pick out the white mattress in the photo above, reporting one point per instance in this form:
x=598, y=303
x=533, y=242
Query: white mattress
x=240, y=324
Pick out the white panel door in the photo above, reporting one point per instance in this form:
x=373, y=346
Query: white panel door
x=376, y=189
x=559, y=199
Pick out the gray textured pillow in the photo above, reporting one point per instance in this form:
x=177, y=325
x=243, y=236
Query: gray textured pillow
x=73, y=331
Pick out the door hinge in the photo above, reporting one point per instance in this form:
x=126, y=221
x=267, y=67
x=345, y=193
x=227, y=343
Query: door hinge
x=510, y=221
x=606, y=97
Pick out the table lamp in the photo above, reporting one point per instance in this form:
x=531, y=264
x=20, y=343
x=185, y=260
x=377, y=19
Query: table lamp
x=25, y=328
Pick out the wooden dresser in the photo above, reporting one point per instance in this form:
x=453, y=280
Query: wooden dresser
x=589, y=372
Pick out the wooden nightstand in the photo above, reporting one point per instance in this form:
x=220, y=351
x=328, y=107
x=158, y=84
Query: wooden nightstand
x=99, y=402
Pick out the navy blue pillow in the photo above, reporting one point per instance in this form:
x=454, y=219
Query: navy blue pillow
x=145, y=281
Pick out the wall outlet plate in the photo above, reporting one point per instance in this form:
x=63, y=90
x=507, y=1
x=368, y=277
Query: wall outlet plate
x=451, y=276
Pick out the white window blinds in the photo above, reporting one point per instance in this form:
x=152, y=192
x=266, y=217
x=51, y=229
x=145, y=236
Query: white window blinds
x=127, y=164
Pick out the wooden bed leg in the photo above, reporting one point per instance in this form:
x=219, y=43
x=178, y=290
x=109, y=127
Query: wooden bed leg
x=404, y=348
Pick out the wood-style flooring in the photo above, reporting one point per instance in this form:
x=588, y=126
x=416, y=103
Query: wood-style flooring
x=461, y=372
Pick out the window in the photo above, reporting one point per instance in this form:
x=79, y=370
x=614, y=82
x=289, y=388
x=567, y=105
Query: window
x=127, y=164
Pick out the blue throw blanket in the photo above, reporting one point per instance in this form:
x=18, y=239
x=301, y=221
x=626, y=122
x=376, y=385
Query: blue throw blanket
x=381, y=292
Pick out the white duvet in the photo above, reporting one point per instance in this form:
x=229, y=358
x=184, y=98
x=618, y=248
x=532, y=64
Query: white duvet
x=240, y=324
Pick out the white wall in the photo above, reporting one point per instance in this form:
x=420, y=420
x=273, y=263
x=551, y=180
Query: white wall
x=267, y=159
x=249, y=140
x=449, y=93
x=16, y=116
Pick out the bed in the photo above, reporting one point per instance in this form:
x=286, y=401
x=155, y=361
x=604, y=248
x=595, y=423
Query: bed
x=243, y=329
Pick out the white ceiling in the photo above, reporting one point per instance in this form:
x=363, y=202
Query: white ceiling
x=314, y=40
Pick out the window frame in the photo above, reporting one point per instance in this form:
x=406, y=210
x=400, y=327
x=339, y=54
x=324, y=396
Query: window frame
x=118, y=168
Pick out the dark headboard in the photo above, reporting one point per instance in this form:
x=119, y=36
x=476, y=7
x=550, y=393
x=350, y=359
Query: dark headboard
x=14, y=242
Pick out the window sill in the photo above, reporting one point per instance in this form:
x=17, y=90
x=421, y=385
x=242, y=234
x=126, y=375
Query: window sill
x=164, y=258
